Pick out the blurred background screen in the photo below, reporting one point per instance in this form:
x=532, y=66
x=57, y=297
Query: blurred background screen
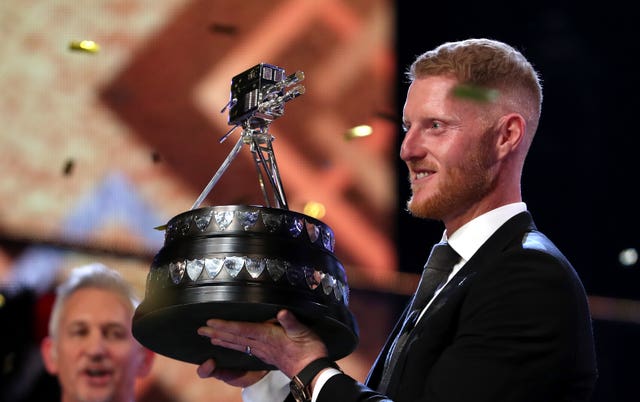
x=110, y=114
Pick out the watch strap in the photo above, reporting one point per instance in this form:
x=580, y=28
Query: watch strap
x=309, y=372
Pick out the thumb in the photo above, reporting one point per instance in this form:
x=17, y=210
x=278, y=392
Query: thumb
x=292, y=327
x=206, y=369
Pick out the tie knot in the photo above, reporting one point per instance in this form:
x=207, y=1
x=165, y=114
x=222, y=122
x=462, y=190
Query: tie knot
x=443, y=257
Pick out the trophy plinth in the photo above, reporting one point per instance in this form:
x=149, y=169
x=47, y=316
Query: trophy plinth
x=242, y=263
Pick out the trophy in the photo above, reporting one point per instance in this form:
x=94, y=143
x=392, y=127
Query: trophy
x=245, y=262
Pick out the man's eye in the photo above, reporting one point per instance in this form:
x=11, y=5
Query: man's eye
x=436, y=124
x=115, y=333
x=78, y=332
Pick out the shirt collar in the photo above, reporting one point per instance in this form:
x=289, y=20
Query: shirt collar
x=468, y=238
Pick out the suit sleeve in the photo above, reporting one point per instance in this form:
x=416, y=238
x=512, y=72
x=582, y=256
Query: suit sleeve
x=343, y=388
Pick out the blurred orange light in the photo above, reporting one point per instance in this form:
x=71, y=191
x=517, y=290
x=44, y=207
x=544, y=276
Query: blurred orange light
x=315, y=209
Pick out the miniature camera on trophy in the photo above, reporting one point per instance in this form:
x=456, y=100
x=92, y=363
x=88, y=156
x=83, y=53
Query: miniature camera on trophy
x=246, y=262
x=250, y=88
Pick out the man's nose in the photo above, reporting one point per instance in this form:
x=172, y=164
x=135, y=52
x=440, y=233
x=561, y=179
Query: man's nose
x=96, y=344
x=411, y=148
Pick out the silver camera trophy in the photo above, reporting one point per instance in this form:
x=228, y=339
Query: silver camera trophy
x=245, y=262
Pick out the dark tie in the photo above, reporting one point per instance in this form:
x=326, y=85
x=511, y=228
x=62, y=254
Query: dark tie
x=435, y=273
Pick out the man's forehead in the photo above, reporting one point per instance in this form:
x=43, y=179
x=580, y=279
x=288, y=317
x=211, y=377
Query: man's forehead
x=93, y=304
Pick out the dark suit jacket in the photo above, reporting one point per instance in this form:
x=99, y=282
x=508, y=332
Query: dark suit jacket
x=513, y=325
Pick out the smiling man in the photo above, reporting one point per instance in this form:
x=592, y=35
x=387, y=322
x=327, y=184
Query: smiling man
x=90, y=347
x=500, y=314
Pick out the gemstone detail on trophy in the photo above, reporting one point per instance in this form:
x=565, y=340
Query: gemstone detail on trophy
x=176, y=270
x=223, y=218
x=255, y=267
x=272, y=222
x=233, y=265
x=194, y=269
x=213, y=266
x=328, y=284
x=276, y=268
x=247, y=218
x=202, y=221
x=328, y=241
x=313, y=231
x=295, y=225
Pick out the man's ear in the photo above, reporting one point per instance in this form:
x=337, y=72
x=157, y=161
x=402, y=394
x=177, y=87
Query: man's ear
x=146, y=361
x=511, y=134
x=48, y=352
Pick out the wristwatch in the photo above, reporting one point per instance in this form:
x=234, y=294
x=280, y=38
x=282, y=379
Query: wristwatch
x=300, y=384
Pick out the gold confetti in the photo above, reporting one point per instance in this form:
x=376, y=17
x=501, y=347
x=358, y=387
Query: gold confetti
x=314, y=209
x=476, y=93
x=357, y=132
x=223, y=29
x=392, y=117
x=68, y=166
x=87, y=46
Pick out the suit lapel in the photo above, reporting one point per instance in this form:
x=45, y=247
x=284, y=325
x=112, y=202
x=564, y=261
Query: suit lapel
x=512, y=230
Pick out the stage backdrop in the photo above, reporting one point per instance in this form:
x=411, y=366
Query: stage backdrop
x=100, y=145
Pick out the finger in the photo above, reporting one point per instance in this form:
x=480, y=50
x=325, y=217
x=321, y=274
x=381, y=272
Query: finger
x=206, y=369
x=238, y=344
x=223, y=338
x=231, y=326
x=205, y=331
x=231, y=376
x=229, y=341
x=246, y=329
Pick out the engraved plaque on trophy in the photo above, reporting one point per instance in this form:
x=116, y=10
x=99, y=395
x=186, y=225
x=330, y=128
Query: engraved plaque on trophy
x=245, y=262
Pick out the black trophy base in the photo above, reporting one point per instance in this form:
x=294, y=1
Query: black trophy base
x=170, y=327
